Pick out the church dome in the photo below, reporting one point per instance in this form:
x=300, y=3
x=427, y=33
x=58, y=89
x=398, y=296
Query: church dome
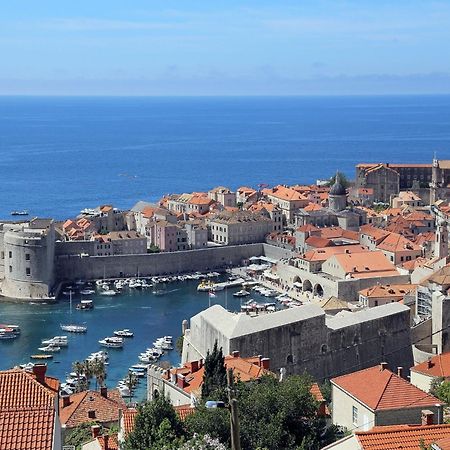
x=338, y=188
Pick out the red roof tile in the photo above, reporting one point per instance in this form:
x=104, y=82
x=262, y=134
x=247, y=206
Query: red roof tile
x=129, y=416
x=380, y=389
x=438, y=366
x=184, y=410
x=106, y=408
x=404, y=437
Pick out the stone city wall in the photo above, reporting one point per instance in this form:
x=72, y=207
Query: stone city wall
x=73, y=267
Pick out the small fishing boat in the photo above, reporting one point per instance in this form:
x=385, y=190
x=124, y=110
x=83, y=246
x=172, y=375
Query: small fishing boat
x=72, y=328
x=87, y=292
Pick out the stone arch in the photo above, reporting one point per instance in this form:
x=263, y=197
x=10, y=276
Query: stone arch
x=307, y=286
x=318, y=290
x=324, y=348
x=289, y=359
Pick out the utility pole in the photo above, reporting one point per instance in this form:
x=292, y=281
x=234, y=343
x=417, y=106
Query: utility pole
x=234, y=418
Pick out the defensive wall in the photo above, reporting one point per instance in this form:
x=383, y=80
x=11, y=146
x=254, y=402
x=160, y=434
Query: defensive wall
x=73, y=267
x=305, y=339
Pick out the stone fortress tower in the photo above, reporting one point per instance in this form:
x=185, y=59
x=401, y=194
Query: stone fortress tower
x=441, y=244
x=337, y=197
x=27, y=252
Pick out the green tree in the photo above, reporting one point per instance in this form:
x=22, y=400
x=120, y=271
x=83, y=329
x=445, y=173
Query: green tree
x=344, y=180
x=79, y=435
x=179, y=344
x=441, y=389
x=215, y=375
x=99, y=372
x=272, y=415
x=80, y=369
x=157, y=426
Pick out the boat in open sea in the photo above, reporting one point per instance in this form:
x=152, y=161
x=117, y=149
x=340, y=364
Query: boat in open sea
x=72, y=328
x=19, y=213
x=44, y=356
x=111, y=342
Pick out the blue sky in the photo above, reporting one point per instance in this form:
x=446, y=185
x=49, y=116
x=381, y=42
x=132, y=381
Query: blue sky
x=181, y=47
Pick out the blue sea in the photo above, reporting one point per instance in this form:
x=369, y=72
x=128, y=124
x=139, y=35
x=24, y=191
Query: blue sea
x=59, y=155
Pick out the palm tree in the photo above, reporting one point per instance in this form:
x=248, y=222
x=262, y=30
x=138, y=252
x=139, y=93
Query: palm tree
x=99, y=372
x=79, y=369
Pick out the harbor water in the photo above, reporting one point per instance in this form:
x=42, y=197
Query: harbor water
x=147, y=314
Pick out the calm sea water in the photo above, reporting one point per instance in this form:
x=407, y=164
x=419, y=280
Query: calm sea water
x=60, y=155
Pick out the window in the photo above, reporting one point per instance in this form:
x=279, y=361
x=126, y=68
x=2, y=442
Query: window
x=27, y=256
x=28, y=271
x=10, y=269
x=10, y=254
x=355, y=415
x=289, y=359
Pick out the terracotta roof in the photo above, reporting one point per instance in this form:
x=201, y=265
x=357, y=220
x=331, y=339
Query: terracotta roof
x=312, y=207
x=113, y=443
x=27, y=429
x=337, y=232
x=375, y=233
x=380, y=389
x=318, y=242
x=333, y=303
x=27, y=410
x=404, y=437
x=389, y=290
x=322, y=254
x=441, y=277
x=20, y=389
x=106, y=409
x=129, y=416
x=285, y=193
x=413, y=264
x=395, y=242
x=366, y=263
x=307, y=227
x=106, y=208
x=443, y=444
x=184, y=410
x=437, y=366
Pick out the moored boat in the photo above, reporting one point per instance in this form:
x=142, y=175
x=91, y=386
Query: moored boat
x=111, y=342
x=42, y=356
x=85, y=305
x=72, y=328
x=123, y=333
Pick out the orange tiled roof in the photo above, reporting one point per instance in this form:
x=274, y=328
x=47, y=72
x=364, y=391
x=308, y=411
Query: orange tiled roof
x=285, y=193
x=313, y=207
x=365, y=263
x=388, y=290
x=395, y=242
x=113, y=443
x=404, y=437
x=106, y=208
x=184, y=410
x=437, y=366
x=106, y=409
x=322, y=254
x=307, y=227
x=20, y=389
x=27, y=429
x=129, y=416
x=375, y=233
x=337, y=232
x=318, y=242
x=27, y=411
x=380, y=389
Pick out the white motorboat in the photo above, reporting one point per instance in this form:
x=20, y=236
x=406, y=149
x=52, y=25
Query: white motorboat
x=124, y=391
x=124, y=333
x=146, y=358
x=139, y=366
x=60, y=341
x=111, y=342
x=241, y=293
x=108, y=293
x=50, y=348
x=7, y=333
x=87, y=292
x=99, y=283
x=163, y=343
x=14, y=328
x=85, y=305
x=72, y=328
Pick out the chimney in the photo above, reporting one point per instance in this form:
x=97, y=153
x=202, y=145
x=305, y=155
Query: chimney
x=400, y=372
x=265, y=363
x=173, y=377
x=427, y=417
x=383, y=366
x=106, y=441
x=91, y=414
x=429, y=364
x=194, y=366
x=66, y=400
x=95, y=430
x=235, y=354
x=39, y=372
x=181, y=382
x=104, y=391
